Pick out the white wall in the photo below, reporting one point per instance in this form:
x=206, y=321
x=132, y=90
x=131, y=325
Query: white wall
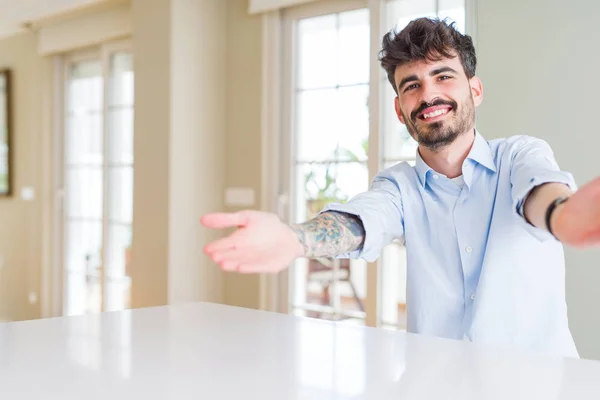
x=539, y=64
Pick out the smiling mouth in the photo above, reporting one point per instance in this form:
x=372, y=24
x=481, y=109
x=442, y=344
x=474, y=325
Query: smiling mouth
x=432, y=113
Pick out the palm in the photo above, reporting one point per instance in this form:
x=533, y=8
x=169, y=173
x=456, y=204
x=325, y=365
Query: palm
x=578, y=222
x=262, y=243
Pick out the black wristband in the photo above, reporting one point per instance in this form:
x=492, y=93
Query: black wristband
x=551, y=209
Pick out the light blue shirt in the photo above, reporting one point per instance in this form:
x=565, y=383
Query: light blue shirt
x=476, y=269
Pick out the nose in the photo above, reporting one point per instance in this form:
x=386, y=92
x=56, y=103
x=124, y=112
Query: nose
x=429, y=92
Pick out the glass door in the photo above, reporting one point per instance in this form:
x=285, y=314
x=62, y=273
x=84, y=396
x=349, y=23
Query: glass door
x=98, y=179
x=329, y=146
x=327, y=136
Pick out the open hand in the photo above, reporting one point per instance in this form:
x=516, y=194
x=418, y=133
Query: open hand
x=577, y=222
x=262, y=243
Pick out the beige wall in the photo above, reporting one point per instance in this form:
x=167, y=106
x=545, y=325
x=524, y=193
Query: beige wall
x=198, y=77
x=243, y=142
x=21, y=221
x=191, y=60
x=151, y=48
x=180, y=129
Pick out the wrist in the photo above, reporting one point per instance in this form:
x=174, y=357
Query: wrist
x=298, y=234
x=552, y=212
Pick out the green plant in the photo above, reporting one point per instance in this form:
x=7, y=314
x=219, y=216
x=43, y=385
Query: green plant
x=327, y=190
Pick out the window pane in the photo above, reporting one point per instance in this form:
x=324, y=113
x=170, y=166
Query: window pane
x=83, y=139
x=330, y=289
x=118, y=250
x=353, y=122
x=317, y=52
x=83, y=294
x=121, y=135
x=84, y=88
x=333, y=50
x=121, y=80
x=84, y=192
x=331, y=136
x=340, y=287
x=118, y=283
x=388, y=164
x=86, y=159
x=83, y=146
x=333, y=124
x=321, y=184
x=393, y=287
x=121, y=194
x=84, y=246
x=354, y=47
x=400, y=12
x=454, y=10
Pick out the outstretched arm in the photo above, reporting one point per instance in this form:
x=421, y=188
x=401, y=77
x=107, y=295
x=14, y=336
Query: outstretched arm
x=576, y=221
x=330, y=234
x=263, y=243
x=537, y=182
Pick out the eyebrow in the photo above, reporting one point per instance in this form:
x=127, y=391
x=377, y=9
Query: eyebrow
x=434, y=72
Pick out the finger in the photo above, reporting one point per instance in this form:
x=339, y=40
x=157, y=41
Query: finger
x=224, y=220
x=229, y=265
x=226, y=255
x=591, y=239
x=220, y=245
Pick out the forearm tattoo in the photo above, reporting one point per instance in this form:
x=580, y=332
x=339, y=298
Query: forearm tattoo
x=330, y=234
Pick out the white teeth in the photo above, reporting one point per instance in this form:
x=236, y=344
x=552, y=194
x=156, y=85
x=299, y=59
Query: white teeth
x=436, y=113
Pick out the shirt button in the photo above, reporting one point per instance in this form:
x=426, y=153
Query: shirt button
x=436, y=177
x=473, y=296
x=468, y=249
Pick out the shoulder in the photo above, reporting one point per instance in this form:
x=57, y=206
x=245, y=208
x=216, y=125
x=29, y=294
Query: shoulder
x=518, y=144
x=397, y=173
x=400, y=179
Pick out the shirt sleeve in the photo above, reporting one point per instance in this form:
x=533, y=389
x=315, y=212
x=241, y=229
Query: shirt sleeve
x=533, y=164
x=381, y=212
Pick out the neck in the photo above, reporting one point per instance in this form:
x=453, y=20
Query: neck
x=449, y=160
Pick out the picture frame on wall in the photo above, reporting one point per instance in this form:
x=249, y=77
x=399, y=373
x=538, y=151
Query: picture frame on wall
x=5, y=133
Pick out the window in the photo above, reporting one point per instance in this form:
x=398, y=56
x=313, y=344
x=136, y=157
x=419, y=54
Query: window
x=327, y=97
x=98, y=179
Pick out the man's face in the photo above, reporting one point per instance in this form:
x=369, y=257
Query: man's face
x=436, y=101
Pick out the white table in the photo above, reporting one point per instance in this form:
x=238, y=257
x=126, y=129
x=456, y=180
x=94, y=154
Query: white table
x=208, y=351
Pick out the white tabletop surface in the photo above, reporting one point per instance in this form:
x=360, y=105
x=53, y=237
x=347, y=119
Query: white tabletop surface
x=208, y=351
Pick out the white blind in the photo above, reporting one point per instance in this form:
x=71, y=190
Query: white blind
x=261, y=6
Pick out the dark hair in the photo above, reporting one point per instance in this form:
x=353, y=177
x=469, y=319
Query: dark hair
x=428, y=39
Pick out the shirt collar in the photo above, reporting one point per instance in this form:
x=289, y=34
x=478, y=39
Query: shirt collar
x=480, y=152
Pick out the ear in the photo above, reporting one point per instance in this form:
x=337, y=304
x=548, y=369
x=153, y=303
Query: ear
x=476, y=90
x=398, y=112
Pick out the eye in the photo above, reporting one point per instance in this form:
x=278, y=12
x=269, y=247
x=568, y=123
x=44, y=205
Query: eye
x=445, y=77
x=411, y=87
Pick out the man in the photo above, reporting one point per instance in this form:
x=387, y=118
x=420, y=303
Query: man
x=482, y=221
